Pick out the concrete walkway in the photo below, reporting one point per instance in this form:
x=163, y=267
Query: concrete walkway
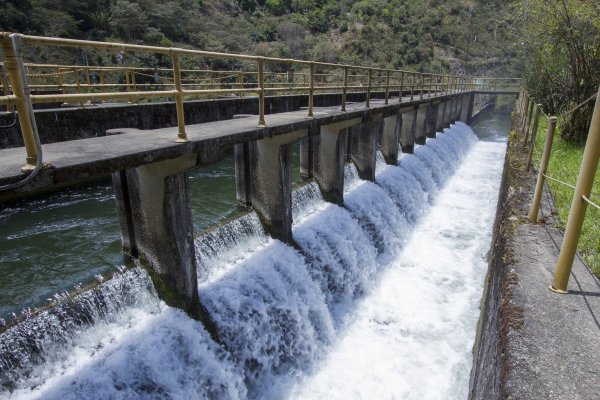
x=552, y=341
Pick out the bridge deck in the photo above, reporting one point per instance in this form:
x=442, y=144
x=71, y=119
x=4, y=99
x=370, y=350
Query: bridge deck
x=67, y=163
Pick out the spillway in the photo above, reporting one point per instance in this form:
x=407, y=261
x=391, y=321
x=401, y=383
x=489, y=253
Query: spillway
x=377, y=299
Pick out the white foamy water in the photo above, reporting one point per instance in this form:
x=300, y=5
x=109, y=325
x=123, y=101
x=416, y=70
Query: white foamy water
x=412, y=336
x=377, y=299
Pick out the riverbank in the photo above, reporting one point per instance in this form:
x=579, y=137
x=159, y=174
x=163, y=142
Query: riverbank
x=533, y=343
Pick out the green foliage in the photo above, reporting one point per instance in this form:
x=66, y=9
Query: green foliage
x=560, y=44
x=422, y=35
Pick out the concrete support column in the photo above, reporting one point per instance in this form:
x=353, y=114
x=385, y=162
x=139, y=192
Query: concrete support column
x=408, y=126
x=458, y=109
x=440, y=121
x=431, y=119
x=306, y=157
x=329, y=156
x=271, y=188
x=466, y=114
x=453, y=110
x=390, y=136
x=421, y=128
x=363, y=140
x=243, y=177
x=153, y=204
x=448, y=112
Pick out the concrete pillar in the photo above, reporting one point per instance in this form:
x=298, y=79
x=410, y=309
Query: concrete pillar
x=448, y=112
x=431, y=119
x=363, y=140
x=153, y=205
x=306, y=157
x=243, y=177
x=271, y=188
x=390, y=136
x=458, y=109
x=408, y=126
x=440, y=121
x=466, y=114
x=329, y=156
x=421, y=129
x=453, y=107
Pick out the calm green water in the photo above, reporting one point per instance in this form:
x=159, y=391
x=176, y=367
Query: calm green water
x=52, y=243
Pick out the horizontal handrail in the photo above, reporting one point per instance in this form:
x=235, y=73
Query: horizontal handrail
x=56, y=82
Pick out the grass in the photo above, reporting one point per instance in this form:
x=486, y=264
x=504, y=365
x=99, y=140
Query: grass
x=564, y=165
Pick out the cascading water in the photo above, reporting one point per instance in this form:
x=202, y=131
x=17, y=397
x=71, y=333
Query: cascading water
x=289, y=317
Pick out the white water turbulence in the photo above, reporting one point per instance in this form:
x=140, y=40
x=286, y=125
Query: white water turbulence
x=411, y=337
x=376, y=299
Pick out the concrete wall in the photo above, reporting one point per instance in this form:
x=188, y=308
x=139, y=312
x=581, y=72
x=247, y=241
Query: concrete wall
x=60, y=125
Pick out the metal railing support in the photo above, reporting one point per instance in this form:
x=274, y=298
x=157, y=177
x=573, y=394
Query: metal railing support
x=401, y=87
x=15, y=69
x=369, y=83
x=539, y=187
x=261, y=93
x=345, y=89
x=311, y=90
x=585, y=181
x=536, y=121
x=181, y=135
x=387, y=87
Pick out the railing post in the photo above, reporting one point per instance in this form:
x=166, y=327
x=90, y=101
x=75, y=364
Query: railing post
x=585, y=181
x=539, y=187
x=422, y=86
x=5, y=86
x=387, y=87
x=77, y=81
x=412, y=87
x=528, y=123
x=370, y=77
x=536, y=121
x=16, y=74
x=181, y=135
x=345, y=89
x=311, y=89
x=401, y=87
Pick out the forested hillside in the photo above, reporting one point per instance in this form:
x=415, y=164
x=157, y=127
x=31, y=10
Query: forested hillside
x=431, y=35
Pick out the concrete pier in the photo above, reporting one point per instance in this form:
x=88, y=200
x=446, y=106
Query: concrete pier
x=153, y=204
x=329, y=156
x=363, y=141
x=271, y=188
x=421, y=128
x=408, y=126
x=431, y=119
x=390, y=138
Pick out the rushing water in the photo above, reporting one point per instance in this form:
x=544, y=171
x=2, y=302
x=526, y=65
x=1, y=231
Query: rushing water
x=378, y=299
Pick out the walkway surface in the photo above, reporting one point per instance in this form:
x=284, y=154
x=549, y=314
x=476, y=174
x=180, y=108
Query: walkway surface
x=553, y=340
x=78, y=160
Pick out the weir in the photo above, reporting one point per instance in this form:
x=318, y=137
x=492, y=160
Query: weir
x=272, y=310
x=278, y=310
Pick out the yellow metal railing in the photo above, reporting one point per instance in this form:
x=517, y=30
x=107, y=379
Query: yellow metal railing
x=27, y=83
x=530, y=111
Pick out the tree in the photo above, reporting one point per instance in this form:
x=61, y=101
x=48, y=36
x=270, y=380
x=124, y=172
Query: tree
x=128, y=19
x=561, y=51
